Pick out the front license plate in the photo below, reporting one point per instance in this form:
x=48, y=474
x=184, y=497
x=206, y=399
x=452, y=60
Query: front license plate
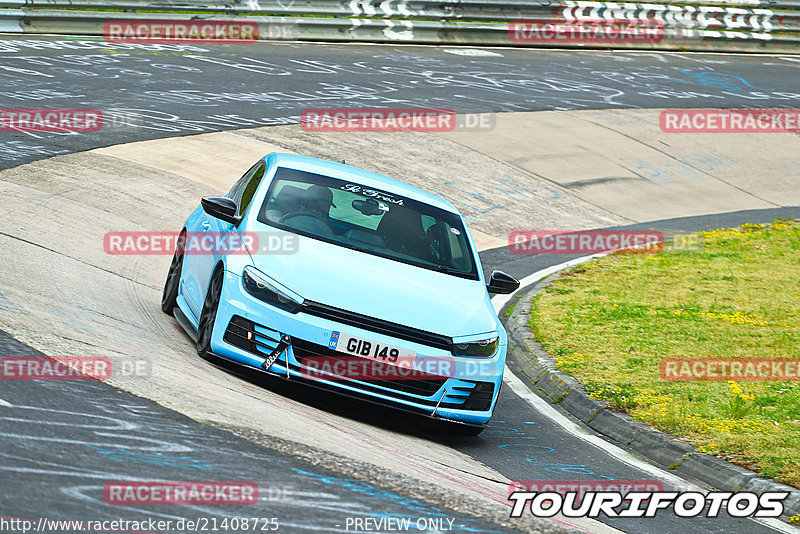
x=364, y=348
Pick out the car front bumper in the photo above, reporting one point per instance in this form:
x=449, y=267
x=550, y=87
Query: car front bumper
x=467, y=394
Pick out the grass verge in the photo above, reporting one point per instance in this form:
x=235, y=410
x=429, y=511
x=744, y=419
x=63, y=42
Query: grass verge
x=609, y=323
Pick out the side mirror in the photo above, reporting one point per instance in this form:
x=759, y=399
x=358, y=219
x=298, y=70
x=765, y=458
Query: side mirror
x=502, y=283
x=222, y=208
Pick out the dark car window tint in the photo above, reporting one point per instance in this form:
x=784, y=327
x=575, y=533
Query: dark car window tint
x=236, y=190
x=368, y=220
x=250, y=188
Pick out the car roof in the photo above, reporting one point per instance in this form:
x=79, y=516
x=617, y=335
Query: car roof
x=363, y=177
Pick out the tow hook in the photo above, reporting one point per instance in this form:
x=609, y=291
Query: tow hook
x=283, y=344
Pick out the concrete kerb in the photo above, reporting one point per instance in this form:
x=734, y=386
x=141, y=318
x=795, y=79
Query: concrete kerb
x=528, y=358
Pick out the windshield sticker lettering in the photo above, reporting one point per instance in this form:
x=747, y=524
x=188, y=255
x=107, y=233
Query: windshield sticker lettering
x=371, y=193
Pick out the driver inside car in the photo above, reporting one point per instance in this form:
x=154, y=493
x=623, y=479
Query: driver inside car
x=312, y=212
x=317, y=201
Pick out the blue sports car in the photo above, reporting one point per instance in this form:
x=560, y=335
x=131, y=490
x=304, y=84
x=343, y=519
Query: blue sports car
x=345, y=279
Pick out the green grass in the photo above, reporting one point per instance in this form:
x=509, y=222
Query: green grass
x=510, y=308
x=610, y=322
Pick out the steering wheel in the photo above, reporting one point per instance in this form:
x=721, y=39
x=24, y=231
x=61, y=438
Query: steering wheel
x=309, y=222
x=311, y=214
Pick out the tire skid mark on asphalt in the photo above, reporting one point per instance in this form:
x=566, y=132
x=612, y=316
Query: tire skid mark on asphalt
x=363, y=487
x=567, y=468
x=505, y=432
x=129, y=426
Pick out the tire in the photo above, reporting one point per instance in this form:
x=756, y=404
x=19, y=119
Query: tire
x=208, y=316
x=169, y=298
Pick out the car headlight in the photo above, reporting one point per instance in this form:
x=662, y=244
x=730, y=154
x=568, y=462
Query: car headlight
x=484, y=348
x=261, y=287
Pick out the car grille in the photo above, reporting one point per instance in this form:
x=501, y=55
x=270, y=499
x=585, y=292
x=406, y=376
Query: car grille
x=377, y=325
x=251, y=337
x=479, y=397
x=259, y=340
x=424, y=385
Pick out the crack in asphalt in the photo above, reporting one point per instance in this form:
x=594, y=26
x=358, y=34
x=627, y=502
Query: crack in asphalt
x=28, y=242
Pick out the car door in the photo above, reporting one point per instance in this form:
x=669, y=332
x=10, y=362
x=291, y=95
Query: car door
x=199, y=264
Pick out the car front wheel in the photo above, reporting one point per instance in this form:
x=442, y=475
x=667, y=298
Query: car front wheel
x=169, y=298
x=209, y=315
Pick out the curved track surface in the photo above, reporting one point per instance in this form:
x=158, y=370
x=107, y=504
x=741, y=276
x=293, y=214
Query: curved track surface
x=57, y=211
x=180, y=89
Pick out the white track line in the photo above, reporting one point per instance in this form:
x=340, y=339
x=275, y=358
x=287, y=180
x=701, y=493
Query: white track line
x=500, y=300
x=6, y=404
x=544, y=408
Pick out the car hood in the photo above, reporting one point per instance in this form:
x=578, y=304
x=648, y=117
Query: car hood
x=382, y=288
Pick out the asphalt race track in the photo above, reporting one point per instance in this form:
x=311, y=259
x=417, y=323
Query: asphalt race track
x=180, y=89
x=61, y=441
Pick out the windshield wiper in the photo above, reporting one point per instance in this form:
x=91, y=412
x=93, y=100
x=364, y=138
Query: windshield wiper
x=449, y=270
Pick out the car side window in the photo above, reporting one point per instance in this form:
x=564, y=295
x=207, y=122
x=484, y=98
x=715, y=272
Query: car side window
x=427, y=222
x=458, y=255
x=250, y=188
x=236, y=191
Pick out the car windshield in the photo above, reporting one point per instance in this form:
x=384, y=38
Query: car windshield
x=368, y=220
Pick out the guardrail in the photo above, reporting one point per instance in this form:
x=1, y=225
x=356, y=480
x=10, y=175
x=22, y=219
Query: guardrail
x=731, y=25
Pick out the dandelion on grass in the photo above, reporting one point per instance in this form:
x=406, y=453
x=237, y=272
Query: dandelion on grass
x=739, y=404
